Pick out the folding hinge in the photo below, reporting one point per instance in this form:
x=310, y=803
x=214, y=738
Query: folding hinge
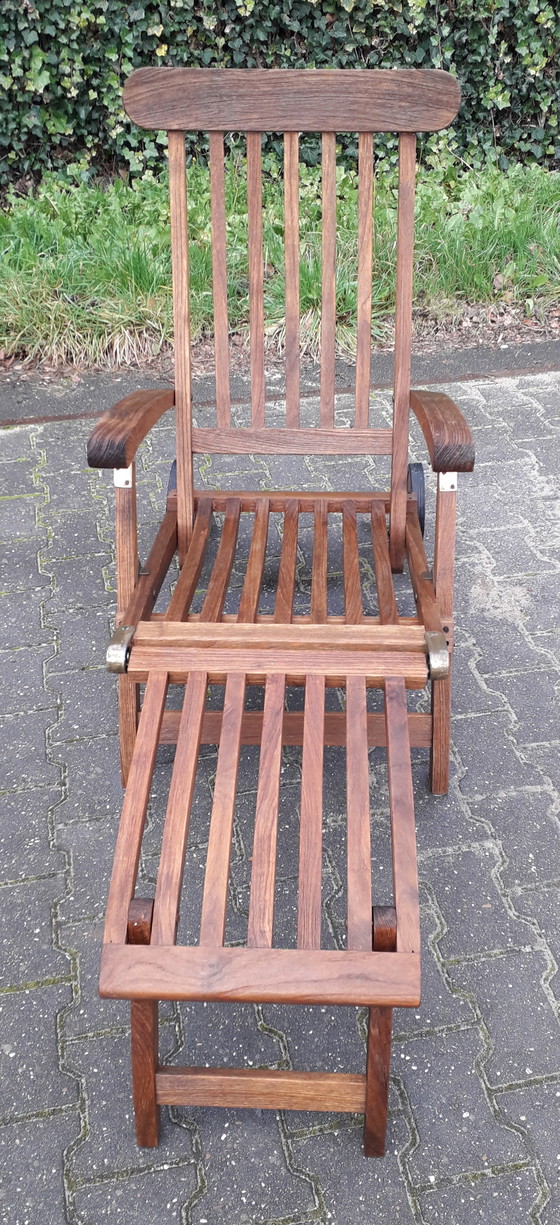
x=438, y=655
x=118, y=651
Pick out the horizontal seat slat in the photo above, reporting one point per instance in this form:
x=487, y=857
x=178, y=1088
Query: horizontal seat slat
x=294, y=665
x=253, y=636
x=268, y=976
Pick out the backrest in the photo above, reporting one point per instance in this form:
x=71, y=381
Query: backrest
x=291, y=101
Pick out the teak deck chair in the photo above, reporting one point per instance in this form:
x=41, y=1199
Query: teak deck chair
x=309, y=652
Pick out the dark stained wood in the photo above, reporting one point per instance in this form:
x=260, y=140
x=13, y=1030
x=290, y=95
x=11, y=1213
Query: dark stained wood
x=328, y=278
x=309, y=637
x=219, y=279
x=288, y=557
x=256, y=300
x=126, y=556
x=419, y=728
x=261, y=1088
x=217, y=587
x=115, y=438
x=358, y=816
x=214, y=901
x=291, y=257
x=365, y=251
x=403, y=341
x=153, y=573
x=378, y=1059
x=420, y=574
x=182, y=336
x=294, y=442
x=131, y=827
x=143, y=1037
x=140, y=915
x=320, y=562
x=388, y=612
x=249, y=602
x=441, y=735
x=448, y=437
x=176, y=829
x=185, y=588
x=295, y=665
x=263, y=873
x=351, y=565
x=444, y=557
x=311, y=816
x=405, y=875
x=264, y=975
x=292, y=100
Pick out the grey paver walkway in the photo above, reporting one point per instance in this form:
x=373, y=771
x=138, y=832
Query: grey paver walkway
x=475, y=1095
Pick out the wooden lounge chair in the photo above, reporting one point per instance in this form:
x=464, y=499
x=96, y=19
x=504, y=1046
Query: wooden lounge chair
x=313, y=651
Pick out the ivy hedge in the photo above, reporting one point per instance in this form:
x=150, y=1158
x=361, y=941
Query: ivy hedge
x=63, y=64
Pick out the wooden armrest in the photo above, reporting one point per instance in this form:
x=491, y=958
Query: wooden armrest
x=119, y=432
x=450, y=441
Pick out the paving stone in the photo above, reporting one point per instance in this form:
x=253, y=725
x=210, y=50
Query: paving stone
x=78, y=583
x=500, y=1199
x=24, y=835
x=28, y=956
x=18, y=516
x=89, y=704
x=89, y=843
x=22, y=622
x=16, y=445
x=30, y=1079
x=22, y=751
x=534, y=1109
x=457, y=1130
x=93, y=778
x=82, y=639
x=543, y=906
x=19, y=567
x=533, y=697
x=148, y=1195
x=22, y=675
x=376, y=1190
x=473, y=909
x=528, y=828
x=488, y=756
x=31, y=1156
x=502, y=987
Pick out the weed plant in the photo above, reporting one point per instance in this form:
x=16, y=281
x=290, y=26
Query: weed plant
x=85, y=269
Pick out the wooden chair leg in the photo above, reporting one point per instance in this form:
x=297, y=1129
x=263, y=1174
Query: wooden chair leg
x=128, y=722
x=380, y=1024
x=144, y=1038
x=441, y=736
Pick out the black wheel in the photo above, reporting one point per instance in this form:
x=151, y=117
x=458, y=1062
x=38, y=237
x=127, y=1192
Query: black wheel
x=416, y=484
x=172, y=482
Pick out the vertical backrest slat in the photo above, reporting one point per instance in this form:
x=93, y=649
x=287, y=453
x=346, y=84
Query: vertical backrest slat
x=311, y=819
x=365, y=252
x=360, y=934
x=328, y=278
x=403, y=341
x=180, y=272
x=219, y=279
x=256, y=301
x=291, y=257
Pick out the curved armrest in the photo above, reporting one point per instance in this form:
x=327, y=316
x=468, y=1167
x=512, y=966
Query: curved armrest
x=450, y=441
x=119, y=432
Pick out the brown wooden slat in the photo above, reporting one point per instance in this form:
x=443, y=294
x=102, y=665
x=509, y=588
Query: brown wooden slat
x=328, y=278
x=256, y=636
x=351, y=565
x=249, y=603
x=216, y=593
x=260, y=1089
x=149, y=583
x=131, y=827
x=388, y=611
x=358, y=815
x=263, y=873
x=405, y=875
x=419, y=728
x=185, y=587
x=428, y=607
x=182, y=342
x=320, y=563
x=311, y=816
x=365, y=252
x=263, y=975
x=283, y=100
x=403, y=341
x=214, y=901
x=219, y=278
x=304, y=499
x=176, y=829
x=374, y=665
x=287, y=568
x=256, y=300
x=291, y=257
x=256, y=441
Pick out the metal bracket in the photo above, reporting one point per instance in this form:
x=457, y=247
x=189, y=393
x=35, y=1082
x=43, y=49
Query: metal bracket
x=118, y=651
x=438, y=655
x=122, y=478
x=447, y=482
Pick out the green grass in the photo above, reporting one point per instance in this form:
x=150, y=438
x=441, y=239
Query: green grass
x=85, y=269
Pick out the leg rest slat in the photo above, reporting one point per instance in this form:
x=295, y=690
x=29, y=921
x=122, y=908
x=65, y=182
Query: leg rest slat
x=260, y=1089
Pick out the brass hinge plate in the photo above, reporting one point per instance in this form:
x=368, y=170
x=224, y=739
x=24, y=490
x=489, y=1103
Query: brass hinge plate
x=118, y=651
x=438, y=655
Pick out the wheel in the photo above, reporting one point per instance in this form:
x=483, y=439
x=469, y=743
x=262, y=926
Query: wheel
x=172, y=482
x=416, y=484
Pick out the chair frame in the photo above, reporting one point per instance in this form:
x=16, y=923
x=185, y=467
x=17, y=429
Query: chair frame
x=379, y=967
